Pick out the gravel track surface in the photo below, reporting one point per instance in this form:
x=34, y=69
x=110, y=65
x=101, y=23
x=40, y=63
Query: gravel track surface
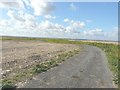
x=89, y=69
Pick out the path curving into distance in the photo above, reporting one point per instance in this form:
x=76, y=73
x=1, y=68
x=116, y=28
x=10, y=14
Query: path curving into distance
x=89, y=69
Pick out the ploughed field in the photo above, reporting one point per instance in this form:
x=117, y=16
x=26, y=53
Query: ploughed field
x=21, y=55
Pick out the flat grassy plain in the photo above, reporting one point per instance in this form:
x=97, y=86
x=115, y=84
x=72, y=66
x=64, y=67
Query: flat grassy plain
x=111, y=50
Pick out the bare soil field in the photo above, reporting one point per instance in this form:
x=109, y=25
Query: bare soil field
x=17, y=56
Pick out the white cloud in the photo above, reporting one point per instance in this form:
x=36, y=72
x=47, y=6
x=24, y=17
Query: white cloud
x=82, y=24
x=78, y=24
x=113, y=34
x=29, y=21
x=21, y=20
x=49, y=17
x=13, y=16
x=31, y=28
x=100, y=34
x=50, y=29
x=73, y=7
x=29, y=17
x=75, y=24
x=71, y=30
x=50, y=26
x=3, y=22
x=41, y=7
x=95, y=32
x=16, y=4
x=66, y=20
x=27, y=2
x=47, y=25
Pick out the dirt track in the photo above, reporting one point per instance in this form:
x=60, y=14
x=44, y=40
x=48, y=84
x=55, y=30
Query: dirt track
x=89, y=69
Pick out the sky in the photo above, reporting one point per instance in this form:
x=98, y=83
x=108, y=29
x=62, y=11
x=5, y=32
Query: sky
x=76, y=20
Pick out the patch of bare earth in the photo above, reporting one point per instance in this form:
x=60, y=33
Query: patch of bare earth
x=18, y=56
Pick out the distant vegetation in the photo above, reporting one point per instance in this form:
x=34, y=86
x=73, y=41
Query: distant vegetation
x=112, y=51
x=18, y=38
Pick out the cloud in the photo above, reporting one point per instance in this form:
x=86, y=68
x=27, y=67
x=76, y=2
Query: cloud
x=3, y=22
x=49, y=17
x=31, y=28
x=78, y=24
x=47, y=25
x=66, y=20
x=21, y=20
x=16, y=4
x=73, y=7
x=71, y=30
x=50, y=26
x=41, y=7
x=113, y=34
x=94, y=32
x=100, y=34
x=29, y=21
x=49, y=29
x=13, y=16
x=29, y=17
x=26, y=2
x=75, y=24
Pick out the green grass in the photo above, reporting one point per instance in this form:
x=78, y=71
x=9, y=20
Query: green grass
x=18, y=38
x=54, y=62
x=7, y=84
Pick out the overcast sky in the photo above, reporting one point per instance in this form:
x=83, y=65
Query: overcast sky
x=78, y=20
